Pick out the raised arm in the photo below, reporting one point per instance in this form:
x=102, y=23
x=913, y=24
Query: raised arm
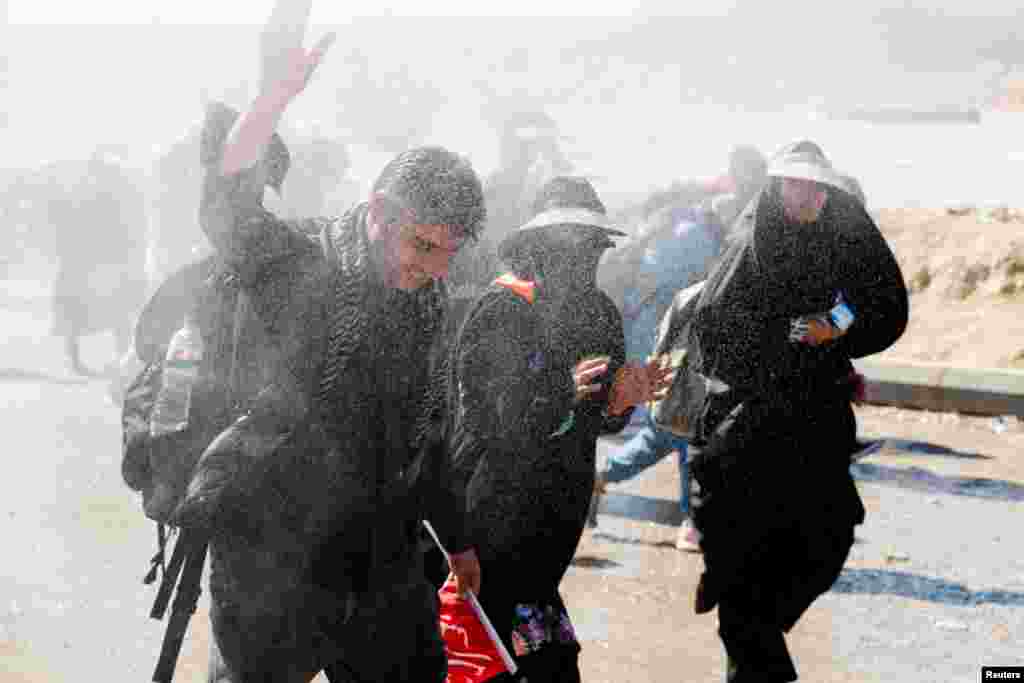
x=285, y=69
x=231, y=211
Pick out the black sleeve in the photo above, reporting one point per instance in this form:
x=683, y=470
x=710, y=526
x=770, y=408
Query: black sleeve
x=246, y=236
x=610, y=325
x=443, y=503
x=874, y=286
x=441, y=497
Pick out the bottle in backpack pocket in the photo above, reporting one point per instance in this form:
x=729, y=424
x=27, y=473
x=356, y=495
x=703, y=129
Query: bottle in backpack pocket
x=180, y=373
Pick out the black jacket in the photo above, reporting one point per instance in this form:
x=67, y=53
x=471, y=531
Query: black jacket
x=522, y=448
x=315, y=486
x=774, y=449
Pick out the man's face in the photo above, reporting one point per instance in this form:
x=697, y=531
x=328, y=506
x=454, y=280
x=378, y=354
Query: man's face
x=802, y=200
x=421, y=253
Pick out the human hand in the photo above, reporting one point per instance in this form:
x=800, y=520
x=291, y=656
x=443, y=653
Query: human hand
x=466, y=568
x=635, y=384
x=285, y=65
x=824, y=327
x=584, y=374
x=813, y=330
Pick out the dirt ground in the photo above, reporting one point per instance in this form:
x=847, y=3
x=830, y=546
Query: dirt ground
x=914, y=600
x=965, y=269
x=943, y=505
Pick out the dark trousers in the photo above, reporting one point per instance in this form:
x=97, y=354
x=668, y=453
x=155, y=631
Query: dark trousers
x=795, y=566
x=393, y=635
x=551, y=664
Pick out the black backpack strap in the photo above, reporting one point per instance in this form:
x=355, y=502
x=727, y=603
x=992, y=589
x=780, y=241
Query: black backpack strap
x=194, y=545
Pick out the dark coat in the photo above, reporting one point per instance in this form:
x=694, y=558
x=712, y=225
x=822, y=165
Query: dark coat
x=310, y=496
x=773, y=452
x=522, y=449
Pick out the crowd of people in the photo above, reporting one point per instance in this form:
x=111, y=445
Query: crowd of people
x=449, y=351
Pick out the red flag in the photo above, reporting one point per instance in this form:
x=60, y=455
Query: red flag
x=472, y=655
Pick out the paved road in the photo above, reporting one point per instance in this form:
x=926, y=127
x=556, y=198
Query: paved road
x=933, y=590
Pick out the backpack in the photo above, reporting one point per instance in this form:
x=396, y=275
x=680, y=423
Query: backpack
x=677, y=412
x=159, y=468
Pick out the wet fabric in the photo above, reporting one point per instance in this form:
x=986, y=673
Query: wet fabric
x=551, y=664
x=313, y=498
x=804, y=563
x=523, y=450
x=775, y=502
x=392, y=635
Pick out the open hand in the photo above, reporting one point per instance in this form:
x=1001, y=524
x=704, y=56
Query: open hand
x=466, y=568
x=635, y=384
x=813, y=331
x=285, y=65
x=586, y=372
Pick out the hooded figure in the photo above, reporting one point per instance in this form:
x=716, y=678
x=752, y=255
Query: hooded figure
x=537, y=374
x=806, y=284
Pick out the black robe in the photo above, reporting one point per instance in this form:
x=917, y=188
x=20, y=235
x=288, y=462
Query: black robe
x=775, y=502
x=521, y=448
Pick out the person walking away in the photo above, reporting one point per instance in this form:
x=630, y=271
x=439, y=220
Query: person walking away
x=672, y=260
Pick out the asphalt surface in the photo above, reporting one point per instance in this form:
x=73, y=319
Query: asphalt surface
x=933, y=590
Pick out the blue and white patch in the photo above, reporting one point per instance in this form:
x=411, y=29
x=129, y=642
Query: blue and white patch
x=842, y=314
x=536, y=361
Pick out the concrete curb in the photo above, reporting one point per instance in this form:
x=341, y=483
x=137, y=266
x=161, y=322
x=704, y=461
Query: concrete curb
x=933, y=386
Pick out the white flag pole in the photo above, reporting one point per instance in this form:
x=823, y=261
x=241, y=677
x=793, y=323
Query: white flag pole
x=510, y=663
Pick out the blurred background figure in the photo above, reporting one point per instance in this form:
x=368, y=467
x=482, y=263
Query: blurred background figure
x=683, y=233
x=175, y=238
x=97, y=211
x=318, y=181
x=748, y=170
x=678, y=232
x=530, y=154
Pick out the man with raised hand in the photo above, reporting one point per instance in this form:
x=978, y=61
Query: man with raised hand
x=313, y=499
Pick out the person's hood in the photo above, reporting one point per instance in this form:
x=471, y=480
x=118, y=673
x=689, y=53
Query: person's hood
x=805, y=160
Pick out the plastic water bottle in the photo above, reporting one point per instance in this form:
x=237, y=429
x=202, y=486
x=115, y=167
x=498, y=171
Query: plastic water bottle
x=180, y=372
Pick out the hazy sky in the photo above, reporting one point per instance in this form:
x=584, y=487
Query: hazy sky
x=255, y=11
x=133, y=78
